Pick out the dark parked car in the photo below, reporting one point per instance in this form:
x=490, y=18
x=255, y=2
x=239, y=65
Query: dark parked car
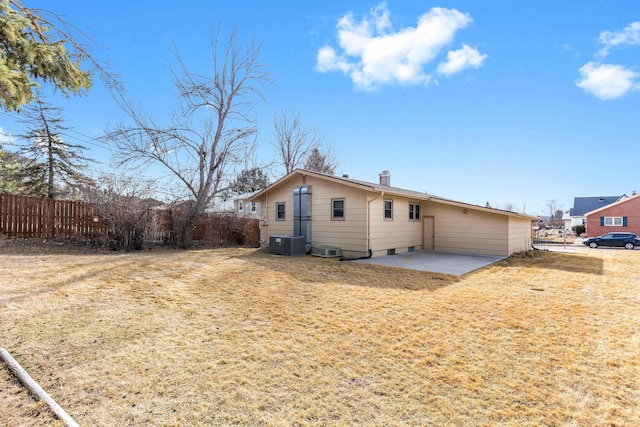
x=626, y=240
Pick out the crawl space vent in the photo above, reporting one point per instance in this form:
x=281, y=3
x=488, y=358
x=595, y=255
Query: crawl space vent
x=326, y=251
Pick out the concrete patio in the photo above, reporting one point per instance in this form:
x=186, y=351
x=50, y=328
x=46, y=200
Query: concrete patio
x=436, y=262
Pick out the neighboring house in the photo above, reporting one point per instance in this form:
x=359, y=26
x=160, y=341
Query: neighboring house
x=623, y=215
x=244, y=207
x=583, y=205
x=239, y=206
x=363, y=218
x=221, y=206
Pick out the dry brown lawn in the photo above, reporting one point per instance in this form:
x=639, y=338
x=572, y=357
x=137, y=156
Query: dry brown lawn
x=241, y=337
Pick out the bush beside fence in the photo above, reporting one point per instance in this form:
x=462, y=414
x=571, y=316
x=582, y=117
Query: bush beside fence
x=34, y=217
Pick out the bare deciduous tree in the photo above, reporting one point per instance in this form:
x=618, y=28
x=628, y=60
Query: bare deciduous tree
x=509, y=207
x=208, y=138
x=555, y=211
x=293, y=140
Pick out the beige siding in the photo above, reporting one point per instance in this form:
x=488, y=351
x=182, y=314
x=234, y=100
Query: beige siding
x=474, y=232
x=349, y=234
x=272, y=226
x=399, y=233
x=457, y=229
x=519, y=235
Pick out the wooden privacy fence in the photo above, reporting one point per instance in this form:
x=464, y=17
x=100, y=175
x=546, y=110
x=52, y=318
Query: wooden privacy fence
x=209, y=228
x=22, y=216
x=25, y=217
x=227, y=229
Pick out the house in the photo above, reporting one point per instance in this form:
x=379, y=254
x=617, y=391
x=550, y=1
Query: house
x=583, y=205
x=373, y=219
x=244, y=207
x=236, y=206
x=623, y=215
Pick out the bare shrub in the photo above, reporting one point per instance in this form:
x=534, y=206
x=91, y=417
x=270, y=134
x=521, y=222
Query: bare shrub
x=124, y=203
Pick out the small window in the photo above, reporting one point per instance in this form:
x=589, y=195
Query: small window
x=253, y=207
x=388, y=209
x=337, y=209
x=240, y=204
x=280, y=211
x=414, y=211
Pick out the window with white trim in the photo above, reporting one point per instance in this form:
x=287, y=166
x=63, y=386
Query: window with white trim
x=613, y=221
x=337, y=209
x=254, y=207
x=280, y=211
x=388, y=209
x=414, y=211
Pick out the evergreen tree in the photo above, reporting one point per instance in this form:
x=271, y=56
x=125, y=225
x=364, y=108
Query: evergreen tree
x=59, y=161
x=250, y=180
x=321, y=162
x=36, y=45
x=16, y=177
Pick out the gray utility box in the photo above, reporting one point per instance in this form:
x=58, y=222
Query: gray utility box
x=287, y=245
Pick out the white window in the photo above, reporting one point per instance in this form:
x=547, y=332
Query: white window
x=388, y=209
x=414, y=211
x=253, y=206
x=612, y=221
x=337, y=209
x=280, y=211
x=240, y=206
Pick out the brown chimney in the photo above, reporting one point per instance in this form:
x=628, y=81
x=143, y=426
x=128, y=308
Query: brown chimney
x=385, y=178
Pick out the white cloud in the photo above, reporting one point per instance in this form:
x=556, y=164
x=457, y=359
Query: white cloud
x=461, y=59
x=630, y=35
x=607, y=81
x=372, y=54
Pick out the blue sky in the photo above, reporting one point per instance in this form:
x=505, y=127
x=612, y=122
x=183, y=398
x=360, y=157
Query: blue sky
x=478, y=101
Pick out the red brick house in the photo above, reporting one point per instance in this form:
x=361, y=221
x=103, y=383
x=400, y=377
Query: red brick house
x=623, y=215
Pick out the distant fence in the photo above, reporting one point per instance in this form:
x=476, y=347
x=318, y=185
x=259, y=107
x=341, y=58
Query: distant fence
x=22, y=216
x=34, y=217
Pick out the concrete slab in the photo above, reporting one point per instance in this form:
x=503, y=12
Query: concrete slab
x=436, y=262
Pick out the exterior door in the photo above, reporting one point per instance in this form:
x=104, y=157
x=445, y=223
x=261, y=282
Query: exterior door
x=428, y=233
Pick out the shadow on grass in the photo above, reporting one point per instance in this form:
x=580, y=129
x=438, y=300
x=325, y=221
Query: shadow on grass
x=569, y=262
x=38, y=289
x=313, y=269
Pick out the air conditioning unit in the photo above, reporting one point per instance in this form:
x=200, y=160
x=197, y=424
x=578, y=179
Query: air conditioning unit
x=326, y=251
x=287, y=245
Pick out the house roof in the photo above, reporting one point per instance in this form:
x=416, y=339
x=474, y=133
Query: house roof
x=244, y=196
x=582, y=205
x=619, y=202
x=370, y=186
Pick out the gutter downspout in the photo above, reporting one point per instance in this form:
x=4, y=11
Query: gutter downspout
x=369, y=220
x=264, y=221
x=369, y=252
